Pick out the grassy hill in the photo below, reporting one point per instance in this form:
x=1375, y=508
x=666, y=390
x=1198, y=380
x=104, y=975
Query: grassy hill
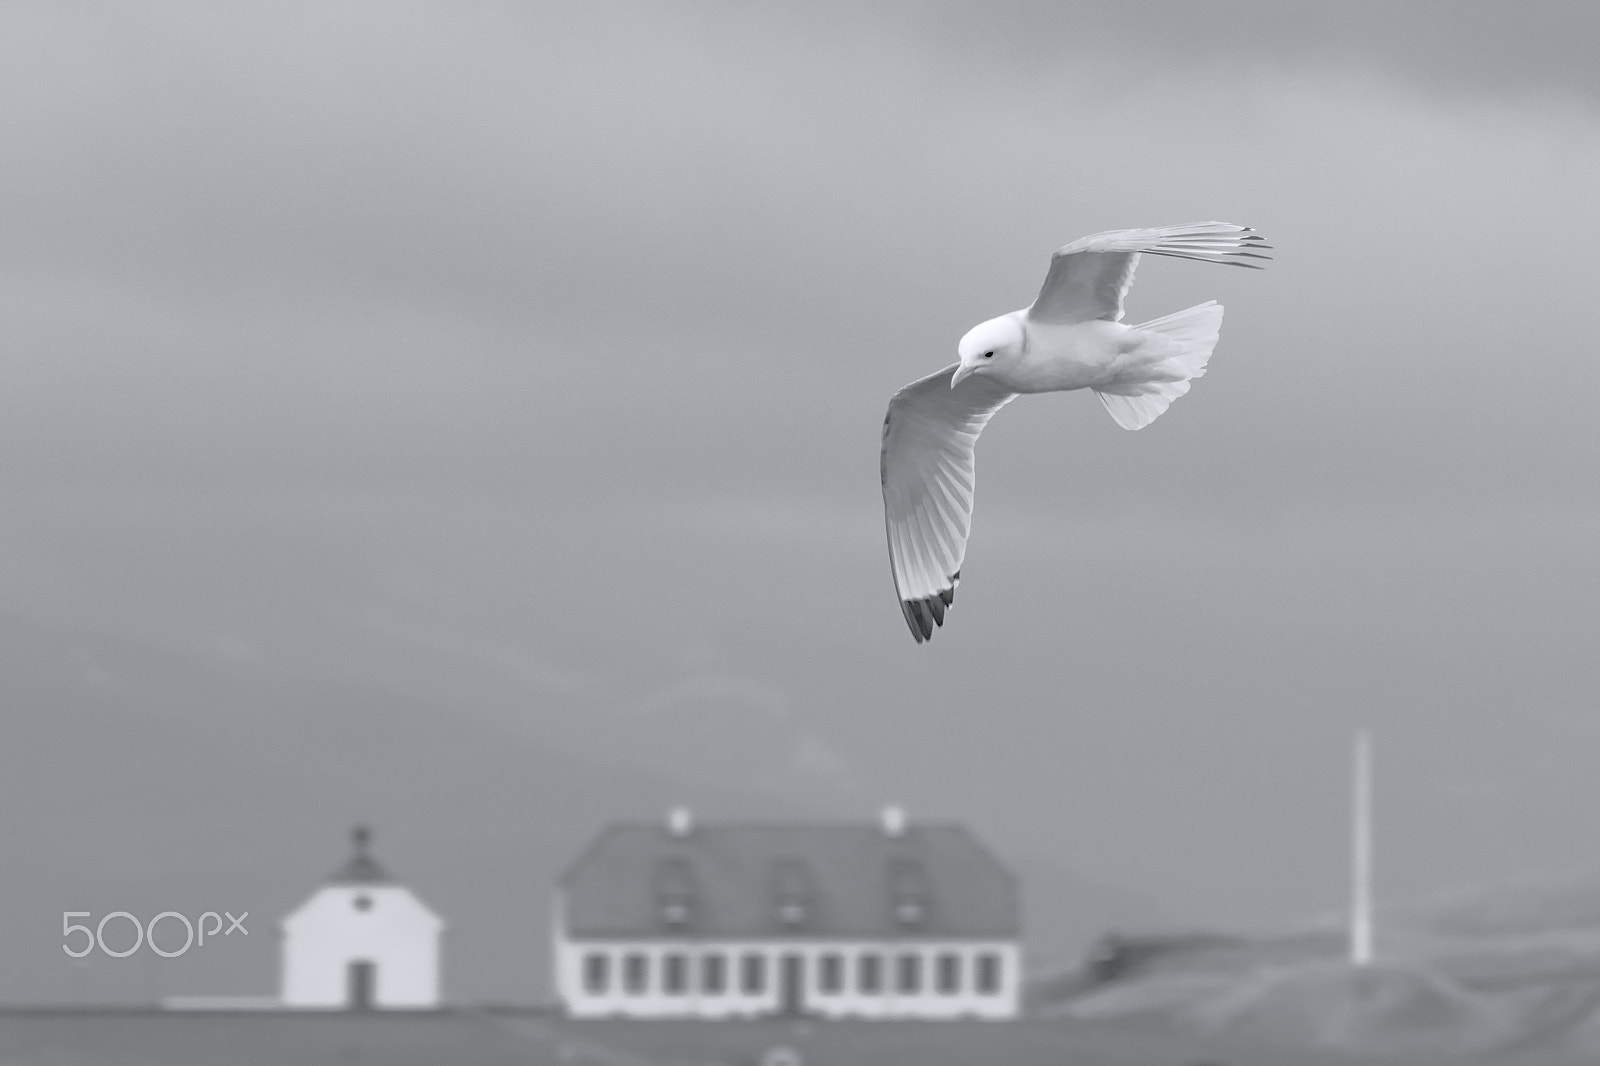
x=1499, y=973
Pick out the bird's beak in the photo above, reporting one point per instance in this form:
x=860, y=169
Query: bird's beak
x=963, y=371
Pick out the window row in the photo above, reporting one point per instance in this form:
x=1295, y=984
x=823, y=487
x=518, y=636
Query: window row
x=871, y=974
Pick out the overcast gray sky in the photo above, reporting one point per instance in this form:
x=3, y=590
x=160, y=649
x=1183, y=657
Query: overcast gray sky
x=551, y=344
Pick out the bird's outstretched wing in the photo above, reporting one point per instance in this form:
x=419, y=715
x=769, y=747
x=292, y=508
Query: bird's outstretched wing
x=927, y=468
x=1089, y=277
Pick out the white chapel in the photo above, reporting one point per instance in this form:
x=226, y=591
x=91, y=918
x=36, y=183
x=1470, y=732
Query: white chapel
x=361, y=941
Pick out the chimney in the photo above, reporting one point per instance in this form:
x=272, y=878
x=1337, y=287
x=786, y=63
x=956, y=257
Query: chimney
x=680, y=821
x=893, y=820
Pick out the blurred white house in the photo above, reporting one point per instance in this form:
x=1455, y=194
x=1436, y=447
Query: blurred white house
x=888, y=920
x=361, y=941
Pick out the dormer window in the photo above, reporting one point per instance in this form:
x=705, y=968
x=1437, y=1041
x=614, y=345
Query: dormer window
x=792, y=892
x=909, y=892
x=674, y=892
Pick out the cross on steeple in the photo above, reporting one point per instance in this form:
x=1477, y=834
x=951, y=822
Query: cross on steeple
x=361, y=866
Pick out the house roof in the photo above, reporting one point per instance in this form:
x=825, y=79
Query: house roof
x=361, y=868
x=733, y=880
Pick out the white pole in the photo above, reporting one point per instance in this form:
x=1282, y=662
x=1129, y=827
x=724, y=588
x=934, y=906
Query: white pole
x=1361, y=903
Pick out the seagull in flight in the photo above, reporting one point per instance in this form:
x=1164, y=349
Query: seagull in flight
x=1072, y=337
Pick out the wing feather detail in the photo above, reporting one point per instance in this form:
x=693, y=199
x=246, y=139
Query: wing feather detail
x=1089, y=277
x=927, y=468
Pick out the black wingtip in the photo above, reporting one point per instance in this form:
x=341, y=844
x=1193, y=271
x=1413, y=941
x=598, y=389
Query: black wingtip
x=919, y=618
x=925, y=614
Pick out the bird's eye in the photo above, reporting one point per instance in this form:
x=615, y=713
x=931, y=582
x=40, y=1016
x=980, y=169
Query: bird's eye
x=988, y=355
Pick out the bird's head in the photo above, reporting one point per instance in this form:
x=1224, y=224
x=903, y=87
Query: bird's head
x=987, y=346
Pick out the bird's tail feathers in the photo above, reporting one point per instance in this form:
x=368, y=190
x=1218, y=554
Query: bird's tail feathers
x=1191, y=334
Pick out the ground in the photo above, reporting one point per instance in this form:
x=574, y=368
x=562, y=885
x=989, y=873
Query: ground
x=531, y=1038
